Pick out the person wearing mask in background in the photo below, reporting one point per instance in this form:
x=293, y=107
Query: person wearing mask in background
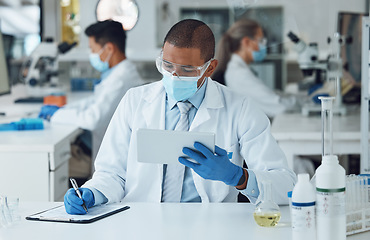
x=242, y=44
x=186, y=100
x=107, y=42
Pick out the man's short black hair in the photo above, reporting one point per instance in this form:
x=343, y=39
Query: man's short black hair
x=108, y=31
x=191, y=33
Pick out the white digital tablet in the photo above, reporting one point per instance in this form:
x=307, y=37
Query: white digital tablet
x=165, y=146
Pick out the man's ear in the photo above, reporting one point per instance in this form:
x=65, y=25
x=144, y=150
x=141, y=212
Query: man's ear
x=211, y=68
x=110, y=47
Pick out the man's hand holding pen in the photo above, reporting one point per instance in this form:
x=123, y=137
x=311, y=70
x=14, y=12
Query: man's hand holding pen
x=77, y=201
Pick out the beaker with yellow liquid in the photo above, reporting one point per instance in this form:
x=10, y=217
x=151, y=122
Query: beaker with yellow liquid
x=267, y=212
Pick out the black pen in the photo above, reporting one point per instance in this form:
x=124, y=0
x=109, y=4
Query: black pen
x=75, y=187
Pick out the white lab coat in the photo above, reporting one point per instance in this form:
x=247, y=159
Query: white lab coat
x=240, y=128
x=240, y=78
x=95, y=112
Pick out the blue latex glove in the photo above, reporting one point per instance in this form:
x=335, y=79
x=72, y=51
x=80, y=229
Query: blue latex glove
x=212, y=166
x=47, y=111
x=314, y=88
x=73, y=203
x=23, y=124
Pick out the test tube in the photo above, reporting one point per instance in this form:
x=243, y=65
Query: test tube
x=367, y=193
x=327, y=129
x=348, y=194
x=357, y=194
x=363, y=194
x=365, y=182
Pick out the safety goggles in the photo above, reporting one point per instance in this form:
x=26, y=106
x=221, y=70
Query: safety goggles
x=262, y=41
x=179, y=70
x=101, y=50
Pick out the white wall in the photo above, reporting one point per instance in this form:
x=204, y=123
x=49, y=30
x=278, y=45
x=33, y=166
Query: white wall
x=52, y=26
x=141, y=40
x=49, y=19
x=311, y=20
x=315, y=20
x=141, y=44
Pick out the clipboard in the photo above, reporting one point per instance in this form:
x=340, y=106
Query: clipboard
x=59, y=214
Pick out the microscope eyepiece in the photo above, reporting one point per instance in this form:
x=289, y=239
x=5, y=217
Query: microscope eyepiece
x=65, y=47
x=293, y=37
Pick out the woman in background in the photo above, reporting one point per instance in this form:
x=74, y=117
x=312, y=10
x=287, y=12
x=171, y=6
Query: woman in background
x=242, y=44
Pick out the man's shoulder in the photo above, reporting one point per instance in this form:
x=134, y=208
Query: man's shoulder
x=145, y=89
x=147, y=86
x=230, y=94
x=126, y=67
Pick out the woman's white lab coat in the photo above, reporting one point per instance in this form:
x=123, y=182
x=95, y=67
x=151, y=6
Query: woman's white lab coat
x=240, y=78
x=240, y=128
x=95, y=112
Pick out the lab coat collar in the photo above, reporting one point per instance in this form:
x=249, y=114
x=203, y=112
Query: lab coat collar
x=236, y=58
x=155, y=91
x=106, y=76
x=239, y=61
x=213, y=97
x=155, y=99
x=212, y=100
x=108, y=72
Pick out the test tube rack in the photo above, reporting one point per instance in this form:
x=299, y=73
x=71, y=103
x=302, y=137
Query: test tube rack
x=357, y=204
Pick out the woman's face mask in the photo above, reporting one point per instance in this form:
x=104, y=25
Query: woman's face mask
x=259, y=56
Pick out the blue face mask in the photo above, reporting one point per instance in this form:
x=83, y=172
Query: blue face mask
x=259, y=56
x=180, y=89
x=97, y=63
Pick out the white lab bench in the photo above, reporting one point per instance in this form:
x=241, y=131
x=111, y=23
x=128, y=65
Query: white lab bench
x=34, y=164
x=300, y=135
x=158, y=221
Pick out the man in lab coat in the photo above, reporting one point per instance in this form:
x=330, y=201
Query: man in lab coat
x=242, y=134
x=107, y=41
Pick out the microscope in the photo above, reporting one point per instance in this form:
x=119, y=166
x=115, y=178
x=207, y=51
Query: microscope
x=40, y=70
x=316, y=72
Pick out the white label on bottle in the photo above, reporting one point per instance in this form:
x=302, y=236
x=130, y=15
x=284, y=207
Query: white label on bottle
x=330, y=202
x=303, y=218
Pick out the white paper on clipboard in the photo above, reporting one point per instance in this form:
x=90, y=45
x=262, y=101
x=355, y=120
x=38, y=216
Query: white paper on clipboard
x=59, y=214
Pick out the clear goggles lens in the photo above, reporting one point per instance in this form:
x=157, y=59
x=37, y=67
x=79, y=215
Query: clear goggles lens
x=166, y=67
x=262, y=41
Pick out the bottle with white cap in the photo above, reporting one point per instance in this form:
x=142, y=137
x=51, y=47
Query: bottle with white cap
x=303, y=209
x=330, y=200
x=330, y=184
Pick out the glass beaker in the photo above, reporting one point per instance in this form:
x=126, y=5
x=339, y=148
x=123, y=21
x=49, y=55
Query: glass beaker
x=267, y=212
x=9, y=210
x=327, y=128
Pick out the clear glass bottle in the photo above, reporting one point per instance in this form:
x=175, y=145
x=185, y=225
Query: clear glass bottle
x=330, y=184
x=267, y=212
x=327, y=128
